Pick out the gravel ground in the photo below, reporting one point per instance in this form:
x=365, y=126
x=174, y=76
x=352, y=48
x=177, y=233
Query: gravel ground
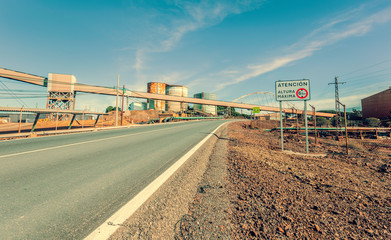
x=282, y=196
x=209, y=214
x=240, y=186
x=161, y=216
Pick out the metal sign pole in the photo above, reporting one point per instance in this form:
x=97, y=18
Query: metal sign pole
x=281, y=128
x=306, y=126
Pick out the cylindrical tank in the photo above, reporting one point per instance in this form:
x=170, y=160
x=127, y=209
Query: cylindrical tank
x=179, y=91
x=206, y=108
x=158, y=88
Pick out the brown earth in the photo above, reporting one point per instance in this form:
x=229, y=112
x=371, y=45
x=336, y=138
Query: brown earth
x=285, y=196
x=134, y=116
x=130, y=117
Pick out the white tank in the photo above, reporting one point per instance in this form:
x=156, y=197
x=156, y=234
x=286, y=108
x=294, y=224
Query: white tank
x=179, y=91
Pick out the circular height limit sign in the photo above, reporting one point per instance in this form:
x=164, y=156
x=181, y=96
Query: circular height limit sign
x=302, y=93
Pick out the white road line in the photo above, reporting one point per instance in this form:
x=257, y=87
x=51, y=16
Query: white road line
x=105, y=230
x=79, y=143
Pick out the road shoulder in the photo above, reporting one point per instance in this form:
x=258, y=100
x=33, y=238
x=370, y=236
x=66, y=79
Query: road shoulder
x=159, y=216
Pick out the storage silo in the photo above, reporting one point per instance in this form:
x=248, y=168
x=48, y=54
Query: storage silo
x=158, y=88
x=179, y=91
x=206, y=108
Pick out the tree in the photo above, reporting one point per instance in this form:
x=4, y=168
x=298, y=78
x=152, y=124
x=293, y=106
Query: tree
x=373, y=122
x=322, y=121
x=221, y=110
x=341, y=122
x=355, y=115
x=111, y=108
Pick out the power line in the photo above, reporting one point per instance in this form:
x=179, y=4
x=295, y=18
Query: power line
x=370, y=66
x=16, y=97
x=363, y=78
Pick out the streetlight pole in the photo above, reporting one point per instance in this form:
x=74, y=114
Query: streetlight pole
x=116, y=103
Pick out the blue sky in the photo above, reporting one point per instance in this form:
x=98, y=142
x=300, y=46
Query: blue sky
x=230, y=48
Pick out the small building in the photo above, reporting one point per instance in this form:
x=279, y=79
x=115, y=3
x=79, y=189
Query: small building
x=138, y=106
x=377, y=105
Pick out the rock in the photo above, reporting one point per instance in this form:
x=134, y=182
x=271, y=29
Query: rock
x=369, y=231
x=317, y=228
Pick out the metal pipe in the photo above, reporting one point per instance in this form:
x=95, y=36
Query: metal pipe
x=346, y=129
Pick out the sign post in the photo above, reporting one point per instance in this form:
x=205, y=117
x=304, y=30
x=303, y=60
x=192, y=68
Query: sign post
x=306, y=126
x=293, y=90
x=281, y=128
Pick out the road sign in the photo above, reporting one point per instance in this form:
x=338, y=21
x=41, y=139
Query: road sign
x=293, y=90
x=256, y=110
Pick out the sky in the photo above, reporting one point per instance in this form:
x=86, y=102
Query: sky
x=230, y=48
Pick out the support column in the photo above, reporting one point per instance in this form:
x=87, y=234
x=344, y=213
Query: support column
x=35, y=122
x=73, y=119
x=97, y=119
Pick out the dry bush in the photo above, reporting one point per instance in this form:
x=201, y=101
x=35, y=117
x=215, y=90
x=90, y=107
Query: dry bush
x=264, y=124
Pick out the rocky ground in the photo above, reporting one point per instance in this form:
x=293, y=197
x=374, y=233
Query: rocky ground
x=286, y=196
x=241, y=186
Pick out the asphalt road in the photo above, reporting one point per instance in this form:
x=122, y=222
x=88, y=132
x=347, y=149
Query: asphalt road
x=63, y=187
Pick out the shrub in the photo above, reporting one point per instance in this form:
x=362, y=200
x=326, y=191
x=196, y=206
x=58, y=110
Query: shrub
x=372, y=122
x=322, y=121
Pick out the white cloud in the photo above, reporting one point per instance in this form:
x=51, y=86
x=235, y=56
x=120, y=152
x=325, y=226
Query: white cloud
x=139, y=60
x=349, y=101
x=195, y=16
x=325, y=35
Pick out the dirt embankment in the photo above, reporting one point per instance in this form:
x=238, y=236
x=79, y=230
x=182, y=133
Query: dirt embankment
x=282, y=196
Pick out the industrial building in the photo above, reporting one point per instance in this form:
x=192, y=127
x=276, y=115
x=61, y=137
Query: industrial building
x=157, y=88
x=377, y=105
x=172, y=90
x=206, y=108
x=179, y=91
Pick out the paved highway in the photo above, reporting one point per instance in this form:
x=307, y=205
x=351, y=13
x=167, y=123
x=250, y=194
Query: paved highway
x=63, y=187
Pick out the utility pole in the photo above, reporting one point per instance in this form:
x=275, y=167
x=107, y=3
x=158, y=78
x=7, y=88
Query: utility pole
x=122, y=110
x=116, y=104
x=337, y=106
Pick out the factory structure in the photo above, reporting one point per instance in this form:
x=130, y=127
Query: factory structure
x=377, y=105
x=206, y=108
x=176, y=107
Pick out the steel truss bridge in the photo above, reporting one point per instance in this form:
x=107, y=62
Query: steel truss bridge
x=62, y=90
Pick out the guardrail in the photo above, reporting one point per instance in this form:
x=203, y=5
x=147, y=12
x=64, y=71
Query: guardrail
x=39, y=111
